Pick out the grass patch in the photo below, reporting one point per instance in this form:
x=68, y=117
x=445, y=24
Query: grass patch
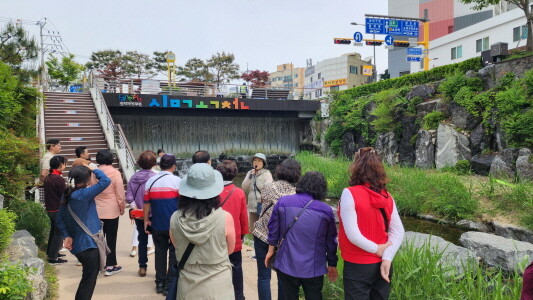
x=335, y=170
x=417, y=274
x=50, y=275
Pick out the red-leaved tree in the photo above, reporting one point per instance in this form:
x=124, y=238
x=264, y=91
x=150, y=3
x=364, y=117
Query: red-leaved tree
x=256, y=77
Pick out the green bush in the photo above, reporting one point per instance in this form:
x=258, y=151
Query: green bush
x=457, y=80
x=32, y=217
x=7, y=223
x=14, y=283
x=463, y=167
x=432, y=120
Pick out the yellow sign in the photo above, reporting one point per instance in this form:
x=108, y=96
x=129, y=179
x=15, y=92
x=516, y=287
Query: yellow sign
x=171, y=57
x=367, y=70
x=335, y=82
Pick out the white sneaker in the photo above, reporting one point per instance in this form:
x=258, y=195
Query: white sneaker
x=151, y=251
x=133, y=253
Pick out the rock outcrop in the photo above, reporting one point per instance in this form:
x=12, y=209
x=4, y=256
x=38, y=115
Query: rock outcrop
x=496, y=250
x=425, y=149
x=524, y=165
x=452, y=146
x=387, y=147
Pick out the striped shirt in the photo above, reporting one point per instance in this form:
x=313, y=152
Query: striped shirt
x=163, y=198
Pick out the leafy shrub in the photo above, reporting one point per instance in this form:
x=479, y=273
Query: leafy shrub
x=457, y=80
x=19, y=164
x=432, y=120
x=506, y=81
x=32, y=217
x=7, y=223
x=463, y=167
x=14, y=283
x=388, y=109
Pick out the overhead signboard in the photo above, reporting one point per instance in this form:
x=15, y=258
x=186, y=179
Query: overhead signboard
x=335, y=82
x=414, y=51
x=367, y=70
x=414, y=58
x=392, y=27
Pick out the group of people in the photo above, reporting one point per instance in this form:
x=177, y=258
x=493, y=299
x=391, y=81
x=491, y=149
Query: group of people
x=203, y=218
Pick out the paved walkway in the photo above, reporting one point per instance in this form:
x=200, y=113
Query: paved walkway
x=127, y=284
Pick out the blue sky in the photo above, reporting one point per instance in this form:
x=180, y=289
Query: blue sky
x=261, y=34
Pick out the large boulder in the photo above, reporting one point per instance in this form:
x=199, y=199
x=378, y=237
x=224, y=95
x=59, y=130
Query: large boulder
x=501, y=169
x=469, y=224
x=425, y=108
x=481, y=163
x=461, y=118
x=452, y=147
x=425, y=149
x=488, y=74
x=23, y=251
x=452, y=255
x=496, y=250
x=479, y=140
x=524, y=165
x=406, y=148
x=387, y=146
x=512, y=232
x=351, y=143
x=423, y=91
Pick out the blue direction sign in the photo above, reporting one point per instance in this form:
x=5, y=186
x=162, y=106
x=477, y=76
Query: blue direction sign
x=414, y=51
x=392, y=27
x=414, y=58
x=358, y=37
x=389, y=40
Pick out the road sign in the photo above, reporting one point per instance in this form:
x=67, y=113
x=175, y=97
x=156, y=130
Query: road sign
x=413, y=42
x=414, y=58
x=391, y=26
x=368, y=71
x=414, y=51
x=358, y=37
x=389, y=40
x=389, y=47
x=358, y=44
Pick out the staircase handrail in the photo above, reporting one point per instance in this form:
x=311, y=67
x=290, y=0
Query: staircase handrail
x=119, y=144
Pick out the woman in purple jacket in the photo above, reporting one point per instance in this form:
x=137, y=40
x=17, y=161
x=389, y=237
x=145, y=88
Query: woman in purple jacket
x=303, y=227
x=134, y=196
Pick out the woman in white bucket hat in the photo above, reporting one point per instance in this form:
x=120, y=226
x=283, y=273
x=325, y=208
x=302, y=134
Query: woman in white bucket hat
x=200, y=221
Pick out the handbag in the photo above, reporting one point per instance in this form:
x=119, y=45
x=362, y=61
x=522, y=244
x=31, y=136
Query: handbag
x=99, y=239
x=280, y=242
x=174, y=274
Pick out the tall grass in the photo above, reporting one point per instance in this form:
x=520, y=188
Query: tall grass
x=417, y=274
x=415, y=191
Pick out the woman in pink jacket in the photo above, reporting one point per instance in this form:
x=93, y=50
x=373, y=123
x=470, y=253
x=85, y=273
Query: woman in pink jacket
x=110, y=206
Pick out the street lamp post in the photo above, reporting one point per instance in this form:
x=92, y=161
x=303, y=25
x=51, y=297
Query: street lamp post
x=374, y=71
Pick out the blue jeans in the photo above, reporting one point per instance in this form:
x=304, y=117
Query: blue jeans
x=263, y=273
x=143, y=243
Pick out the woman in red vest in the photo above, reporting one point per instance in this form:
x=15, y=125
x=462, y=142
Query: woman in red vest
x=370, y=229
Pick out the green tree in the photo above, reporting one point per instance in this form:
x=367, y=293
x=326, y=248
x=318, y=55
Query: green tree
x=524, y=5
x=109, y=63
x=195, y=69
x=138, y=65
x=16, y=47
x=223, y=68
x=159, y=62
x=65, y=71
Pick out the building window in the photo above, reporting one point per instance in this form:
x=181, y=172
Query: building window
x=319, y=75
x=482, y=44
x=426, y=13
x=318, y=93
x=295, y=75
x=296, y=84
x=311, y=78
x=457, y=52
x=334, y=88
x=353, y=69
x=405, y=73
x=519, y=33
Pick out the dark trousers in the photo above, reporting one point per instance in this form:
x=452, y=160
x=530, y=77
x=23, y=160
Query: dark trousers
x=143, y=243
x=291, y=286
x=163, y=245
x=55, y=239
x=364, y=281
x=110, y=231
x=90, y=260
x=263, y=273
x=237, y=276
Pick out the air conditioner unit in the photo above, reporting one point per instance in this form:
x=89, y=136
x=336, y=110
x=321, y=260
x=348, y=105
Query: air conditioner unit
x=498, y=49
x=486, y=58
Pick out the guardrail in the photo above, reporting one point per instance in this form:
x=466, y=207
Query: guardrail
x=113, y=133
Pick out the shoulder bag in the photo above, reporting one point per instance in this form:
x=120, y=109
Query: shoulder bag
x=174, y=274
x=99, y=239
x=280, y=242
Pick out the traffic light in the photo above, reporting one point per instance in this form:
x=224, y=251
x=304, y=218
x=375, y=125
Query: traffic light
x=342, y=41
x=373, y=43
x=401, y=44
